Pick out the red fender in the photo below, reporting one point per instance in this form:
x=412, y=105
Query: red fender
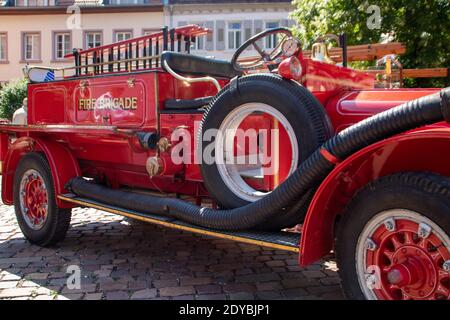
x=426, y=150
x=62, y=163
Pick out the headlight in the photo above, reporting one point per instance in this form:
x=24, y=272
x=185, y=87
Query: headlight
x=291, y=69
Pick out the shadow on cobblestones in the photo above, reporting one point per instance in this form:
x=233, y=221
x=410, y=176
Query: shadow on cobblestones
x=121, y=259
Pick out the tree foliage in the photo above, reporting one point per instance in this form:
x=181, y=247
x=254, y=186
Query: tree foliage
x=422, y=25
x=11, y=97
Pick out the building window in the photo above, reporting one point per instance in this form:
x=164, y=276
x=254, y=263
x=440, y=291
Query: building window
x=234, y=35
x=123, y=35
x=93, y=39
x=34, y=3
x=31, y=46
x=63, y=43
x=272, y=41
x=199, y=43
x=3, y=47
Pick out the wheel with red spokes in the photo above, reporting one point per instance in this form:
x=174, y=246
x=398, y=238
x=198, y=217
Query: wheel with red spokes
x=33, y=199
x=394, y=241
x=38, y=215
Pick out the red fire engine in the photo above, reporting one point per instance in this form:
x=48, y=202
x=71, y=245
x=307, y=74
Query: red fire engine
x=242, y=150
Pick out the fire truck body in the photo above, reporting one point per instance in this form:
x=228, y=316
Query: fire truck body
x=119, y=117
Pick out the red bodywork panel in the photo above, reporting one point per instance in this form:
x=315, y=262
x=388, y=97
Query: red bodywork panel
x=350, y=107
x=326, y=80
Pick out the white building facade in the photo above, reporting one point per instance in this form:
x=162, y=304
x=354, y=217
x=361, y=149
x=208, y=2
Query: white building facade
x=232, y=22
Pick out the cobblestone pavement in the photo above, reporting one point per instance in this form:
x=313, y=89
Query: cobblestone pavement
x=123, y=260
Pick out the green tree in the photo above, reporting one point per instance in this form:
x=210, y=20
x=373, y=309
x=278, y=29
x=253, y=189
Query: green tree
x=11, y=97
x=422, y=25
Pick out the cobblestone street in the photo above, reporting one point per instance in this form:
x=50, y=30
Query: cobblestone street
x=123, y=260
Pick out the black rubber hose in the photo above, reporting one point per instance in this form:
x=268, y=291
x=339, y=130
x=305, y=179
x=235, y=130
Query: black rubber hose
x=411, y=115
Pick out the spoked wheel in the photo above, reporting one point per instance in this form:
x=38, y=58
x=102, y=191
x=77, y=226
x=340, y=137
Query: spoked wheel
x=33, y=199
x=265, y=128
x=411, y=256
x=38, y=215
x=394, y=241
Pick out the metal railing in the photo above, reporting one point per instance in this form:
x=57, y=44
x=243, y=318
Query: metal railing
x=131, y=55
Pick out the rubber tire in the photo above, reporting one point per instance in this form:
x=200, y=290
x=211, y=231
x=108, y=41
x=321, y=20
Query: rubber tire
x=58, y=220
x=312, y=126
x=425, y=193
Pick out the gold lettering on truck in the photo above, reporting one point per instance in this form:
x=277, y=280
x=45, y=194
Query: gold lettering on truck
x=123, y=103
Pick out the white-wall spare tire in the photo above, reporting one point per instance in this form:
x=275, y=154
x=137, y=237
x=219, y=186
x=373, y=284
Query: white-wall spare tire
x=297, y=126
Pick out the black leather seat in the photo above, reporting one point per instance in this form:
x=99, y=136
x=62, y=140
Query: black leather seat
x=198, y=66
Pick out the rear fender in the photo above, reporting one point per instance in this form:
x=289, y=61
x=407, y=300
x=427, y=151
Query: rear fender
x=61, y=161
x=426, y=150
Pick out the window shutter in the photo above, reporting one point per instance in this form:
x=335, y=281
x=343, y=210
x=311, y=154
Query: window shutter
x=210, y=37
x=220, y=27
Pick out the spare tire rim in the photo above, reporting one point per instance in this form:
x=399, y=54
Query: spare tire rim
x=403, y=255
x=33, y=199
x=231, y=174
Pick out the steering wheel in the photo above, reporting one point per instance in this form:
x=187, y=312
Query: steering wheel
x=267, y=59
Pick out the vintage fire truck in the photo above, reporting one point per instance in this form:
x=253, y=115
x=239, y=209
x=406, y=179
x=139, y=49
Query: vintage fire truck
x=242, y=150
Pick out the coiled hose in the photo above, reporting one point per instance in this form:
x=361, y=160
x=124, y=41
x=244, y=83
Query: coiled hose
x=411, y=115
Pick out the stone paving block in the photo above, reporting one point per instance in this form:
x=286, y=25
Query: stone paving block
x=195, y=281
x=313, y=274
x=117, y=295
x=17, y=292
x=37, y=276
x=176, y=291
x=258, y=277
x=208, y=289
x=144, y=294
x=239, y=287
x=8, y=284
x=269, y=286
x=241, y=296
x=165, y=283
x=184, y=297
x=268, y=295
x=211, y=297
x=93, y=296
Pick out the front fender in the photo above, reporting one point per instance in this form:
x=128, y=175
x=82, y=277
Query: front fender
x=426, y=150
x=61, y=161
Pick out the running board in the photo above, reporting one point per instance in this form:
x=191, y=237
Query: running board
x=286, y=241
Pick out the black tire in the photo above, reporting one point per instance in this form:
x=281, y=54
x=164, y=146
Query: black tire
x=57, y=221
x=424, y=193
x=311, y=126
